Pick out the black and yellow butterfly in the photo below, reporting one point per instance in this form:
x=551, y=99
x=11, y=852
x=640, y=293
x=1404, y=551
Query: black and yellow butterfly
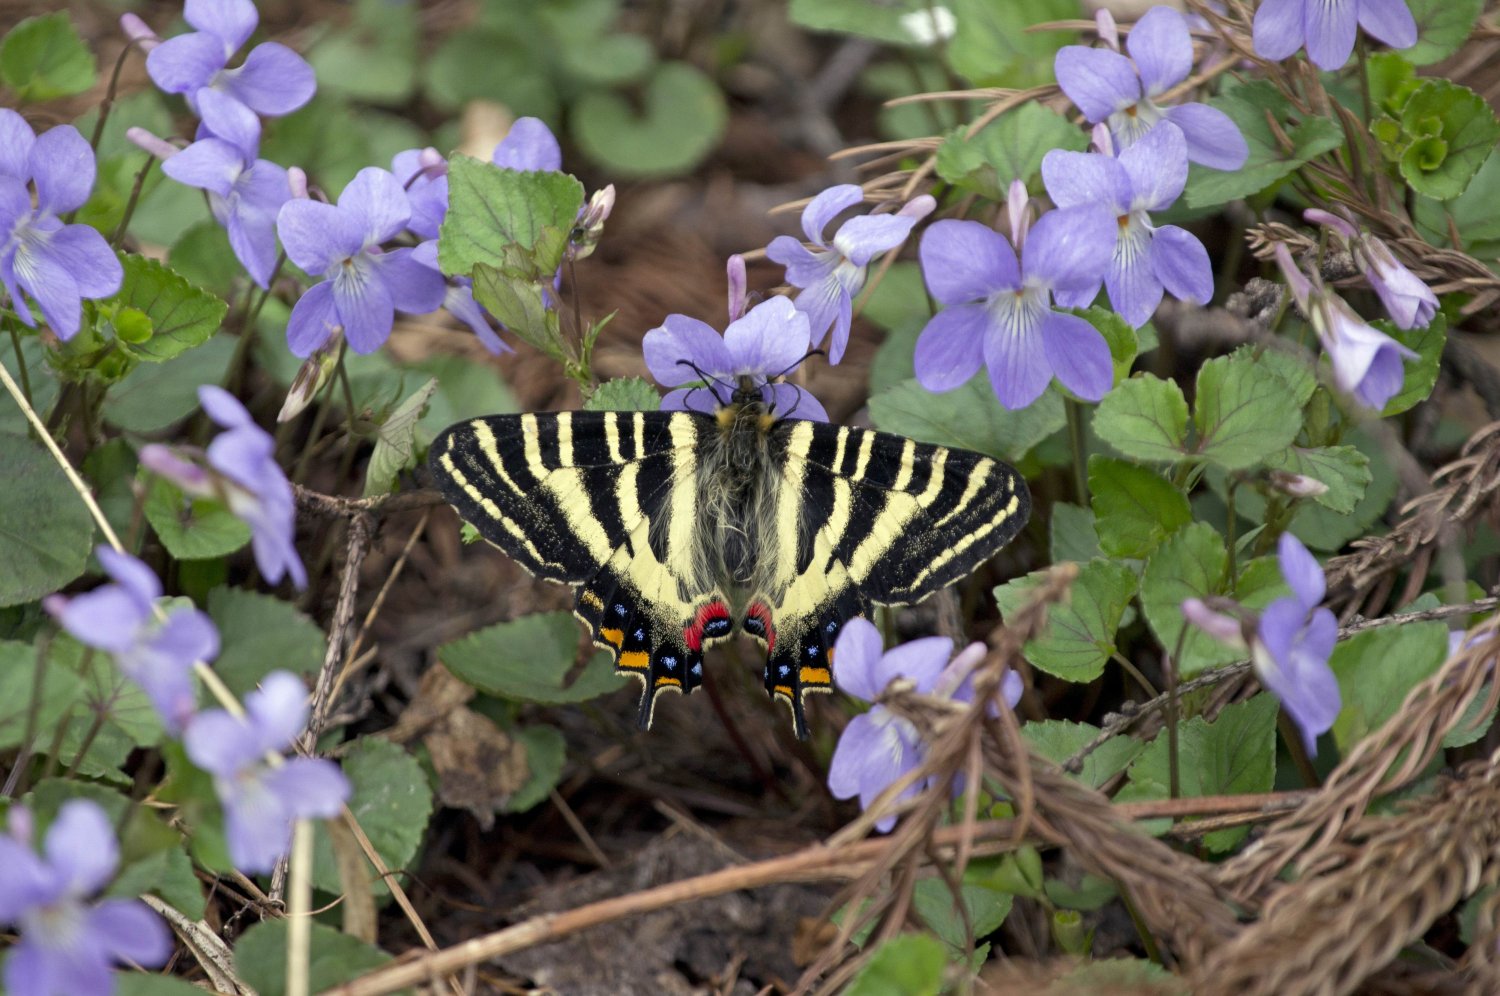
x=676, y=526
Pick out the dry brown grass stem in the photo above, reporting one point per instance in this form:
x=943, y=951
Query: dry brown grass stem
x=1461, y=490
x=1378, y=890
x=1390, y=757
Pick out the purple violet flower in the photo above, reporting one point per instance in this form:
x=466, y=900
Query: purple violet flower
x=769, y=341
x=1367, y=363
x=1147, y=176
x=831, y=275
x=1327, y=28
x=261, y=801
x=1293, y=643
x=120, y=619
x=879, y=746
x=56, y=265
x=365, y=286
x=244, y=192
x=1410, y=302
x=243, y=474
x=67, y=944
x=272, y=81
x=1107, y=86
x=529, y=146
x=999, y=311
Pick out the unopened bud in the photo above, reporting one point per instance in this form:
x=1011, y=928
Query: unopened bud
x=143, y=139
x=738, y=293
x=590, y=225
x=1222, y=627
x=297, y=180
x=139, y=32
x=1104, y=24
x=1018, y=208
x=930, y=26
x=1297, y=485
x=918, y=207
x=311, y=376
x=1103, y=141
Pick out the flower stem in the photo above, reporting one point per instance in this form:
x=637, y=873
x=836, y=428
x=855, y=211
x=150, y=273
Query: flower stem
x=15, y=340
x=1078, y=441
x=135, y=197
x=1230, y=540
x=299, y=911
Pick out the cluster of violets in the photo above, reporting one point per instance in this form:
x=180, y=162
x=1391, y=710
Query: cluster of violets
x=880, y=746
x=159, y=647
x=1290, y=641
x=376, y=247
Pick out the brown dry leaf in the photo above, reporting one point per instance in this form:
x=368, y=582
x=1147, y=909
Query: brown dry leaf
x=479, y=766
x=810, y=938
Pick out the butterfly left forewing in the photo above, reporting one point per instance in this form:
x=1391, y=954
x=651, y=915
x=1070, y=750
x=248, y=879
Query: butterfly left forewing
x=878, y=519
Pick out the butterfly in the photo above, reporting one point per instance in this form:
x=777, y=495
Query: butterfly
x=676, y=527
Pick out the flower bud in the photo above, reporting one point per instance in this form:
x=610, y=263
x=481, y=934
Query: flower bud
x=1222, y=627
x=311, y=377
x=737, y=286
x=1297, y=485
x=144, y=140
x=590, y=225
x=139, y=32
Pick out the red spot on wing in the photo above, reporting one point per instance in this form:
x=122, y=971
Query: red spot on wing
x=692, y=634
x=760, y=612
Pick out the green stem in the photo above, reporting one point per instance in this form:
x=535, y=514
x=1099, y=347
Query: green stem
x=1294, y=746
x=135, y=197
x=1169, y=669
x=1079, y=445
x=15, y=340
x=1229, y=529
x=240, y=360
x=1134, y=672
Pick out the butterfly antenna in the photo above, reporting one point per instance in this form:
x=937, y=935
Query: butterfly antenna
x=801, y=360
x=705, y=375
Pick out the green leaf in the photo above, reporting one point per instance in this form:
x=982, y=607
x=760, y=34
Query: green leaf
x=1118, y=335
x=1243, y=411
x=521, y=305
x=528, y=660
x=995, y=46
x=375, y=61
x=43, y=58
x=1072, y=534
x=1377, y=668
x=546, y=752
x=147, y=984
x=911, y=965
x=1421, y=374
x=1009, y=149
x=107, y=693
x=610, y=60
x=465, y=390
x=44, y=383
x=680, y=119
x=396, y=442
x=1080, y=635
x=624, y=394
x=1190, y=564
x=986, y=907
x=391, y=800
x=1468, y=136
x=478, y=63
x=60, y=692
x=1135, y=508
x=1344, y=469
x=45, y=529
x=1475, y=213
x=1293, y=370
x=512, y=220
x=192, y=528
x=1323, y=528
x=1442, y=26
x=1392, y=79
x=1118, y=975
x=856, y=17
x=167, y=873
x=203, y=257
x=1233, y=755
x=969, y=417
x=260, y=957
x=259, y=634
x=153, y=396
x=1058, y=740
x=1248, y=107
x=181, y=315
x=1144, y=417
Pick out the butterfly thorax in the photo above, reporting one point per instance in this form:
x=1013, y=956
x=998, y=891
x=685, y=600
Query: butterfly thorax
x=737, y=485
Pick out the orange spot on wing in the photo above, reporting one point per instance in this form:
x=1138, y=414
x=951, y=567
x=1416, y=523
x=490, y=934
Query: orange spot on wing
x=668, y=682
x=613, y=637
x=635, y=660
x=815, y=676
